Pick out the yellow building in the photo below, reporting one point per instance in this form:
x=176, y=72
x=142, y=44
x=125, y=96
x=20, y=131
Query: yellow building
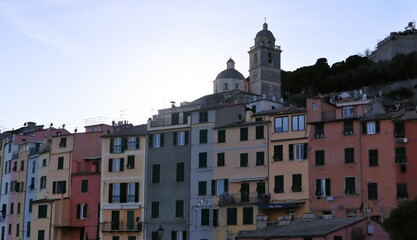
x=240, y=174
x=122, y=183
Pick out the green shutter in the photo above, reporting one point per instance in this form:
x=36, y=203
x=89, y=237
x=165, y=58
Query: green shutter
x=111, y=145
x=110, y=192
x=291, y=151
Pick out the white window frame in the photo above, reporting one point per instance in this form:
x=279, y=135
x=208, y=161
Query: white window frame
x=299, y=151
x=116, y=191
x=348, y=112
x=323, y=187
x=156, y=140
x=371, y=128
x=42, y=184
x=282, y=122
x=314, y=105
x=83, y=211
x=131, y=143
x=117, y=145
x=181, y=138
x=298, y=123
x=116, y=165
x=131, y=192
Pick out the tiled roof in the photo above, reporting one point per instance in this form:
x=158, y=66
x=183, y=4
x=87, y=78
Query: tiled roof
x=128, y=131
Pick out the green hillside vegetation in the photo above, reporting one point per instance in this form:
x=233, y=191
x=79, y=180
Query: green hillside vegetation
x=355, y=72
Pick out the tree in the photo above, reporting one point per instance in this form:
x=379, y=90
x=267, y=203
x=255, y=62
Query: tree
x=402, y=222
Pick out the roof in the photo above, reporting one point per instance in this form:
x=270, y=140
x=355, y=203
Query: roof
x=306, y=228
x=230, y=73
x=282, y=110
x=266, y=34
x=128, y=131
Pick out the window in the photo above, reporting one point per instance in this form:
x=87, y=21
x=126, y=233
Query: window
x=180, y=172
x=84, y=186
x=219, y=186
x=130, y=162
x=350, y=185
x=33, y=166
x=203, y=117
x=260, y=158
x=179, y=208
x=156, y=173
x=11, y=208
x=400, y=155
x=221, y=136
x=132, y=192
x=42, y=211
x=32, y=183
x=244, y=134
x=133, y=143
x=281, y=124
x=215, y=217
x=323, y=187
x=298, y=123
x=260, y=188
x=370, y=127
x=63, y=142
x=175, y=117
x=259, y=132
x=300, y=152
x=244, y=192
x=203, y=136
x=116, y=145
x=231, y=216
x=205, y=217
x=41, y=234
x=279, y=184
x=349, y=155
x=399, y=130
x=156, y=140
x=115, y=220
x=180, y=138
x=373, y=157
x=155, y=210
x=30, y=205
x=226, y=86
x=202, y=160
x=348, y=112
x=296, y=183
x=220, y=159
x=59, y=187
x=82, y=211
x=202, y=188
x=348, y=127
x=402, y=192
x=44, y=162
x=28, y=229
x=248, y=215
x=243, y=159
x=318, y=130
x=372, y=191
x=60, y=162
x=116, y=164
x=278, y=153
x=314, y=106
x=319, y=157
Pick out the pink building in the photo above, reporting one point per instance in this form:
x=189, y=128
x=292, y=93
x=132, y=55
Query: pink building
x=85, y=182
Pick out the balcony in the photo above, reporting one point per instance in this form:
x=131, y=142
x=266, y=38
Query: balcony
x=121, y=226
x=242, y=198
x=400, y=160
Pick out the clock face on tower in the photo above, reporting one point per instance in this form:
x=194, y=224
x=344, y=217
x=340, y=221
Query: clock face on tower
x=255, y=75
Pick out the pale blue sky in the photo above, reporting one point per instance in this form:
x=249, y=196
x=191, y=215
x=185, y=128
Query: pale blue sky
x=64, y=61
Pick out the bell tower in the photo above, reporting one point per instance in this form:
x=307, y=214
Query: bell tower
x=265, y=66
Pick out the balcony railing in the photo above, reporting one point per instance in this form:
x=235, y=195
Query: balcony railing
x=160, y=122
x=121, y=226
x=242, y=198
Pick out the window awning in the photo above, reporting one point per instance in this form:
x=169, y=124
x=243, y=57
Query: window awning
x=282, y=205
x=247, y=179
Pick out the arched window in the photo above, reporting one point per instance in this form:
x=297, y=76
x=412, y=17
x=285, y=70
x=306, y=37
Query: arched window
x=269, y=57
x=255, y=58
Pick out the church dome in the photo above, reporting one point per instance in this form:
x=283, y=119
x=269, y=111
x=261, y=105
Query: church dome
x=230, y=72
x=265, y=36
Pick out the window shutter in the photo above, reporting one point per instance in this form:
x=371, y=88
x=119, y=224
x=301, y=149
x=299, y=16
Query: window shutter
x=377, y=126
x=328, y=188
x=110, y=192
x=150, y=139
x=123, y=192
x=78, y=211
x=54, y=187
x=291, y=151
x=364, y=127
x=174, y=140
x=305, y=150
x=137, y=192
x=226, y=185
x=186, y=137
x=124, y=144
x=318, y=187
x=137, y=142
x=213, y=187
x=64, y=186
x=122, y=164
x=85, y=210
x=111, y=145
x=111, y=165
x=162, y=139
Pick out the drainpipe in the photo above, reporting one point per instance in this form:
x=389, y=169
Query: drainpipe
x=360, y=160
x=50, y=221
